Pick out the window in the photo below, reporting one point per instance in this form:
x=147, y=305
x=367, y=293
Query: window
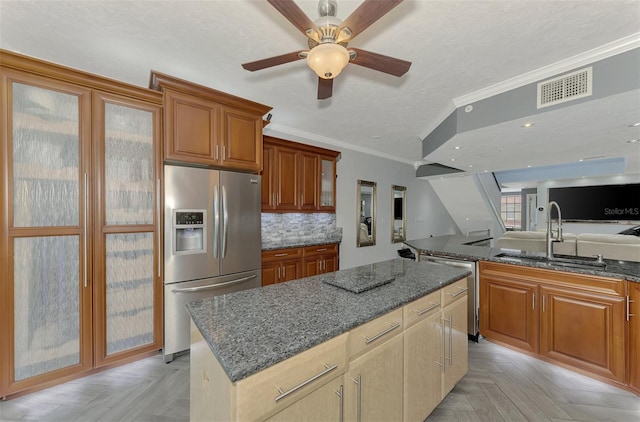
x=511, y=211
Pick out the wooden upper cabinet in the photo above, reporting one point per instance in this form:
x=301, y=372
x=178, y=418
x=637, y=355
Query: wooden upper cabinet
x=209, y=127
x=297, y=177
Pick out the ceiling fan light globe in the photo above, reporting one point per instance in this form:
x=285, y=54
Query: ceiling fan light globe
x=328, y=60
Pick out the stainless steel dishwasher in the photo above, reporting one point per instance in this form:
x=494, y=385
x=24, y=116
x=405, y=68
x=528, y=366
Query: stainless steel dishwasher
x=473, y=304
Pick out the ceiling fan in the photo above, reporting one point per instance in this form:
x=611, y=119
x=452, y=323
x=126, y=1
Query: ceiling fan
x=328, y=38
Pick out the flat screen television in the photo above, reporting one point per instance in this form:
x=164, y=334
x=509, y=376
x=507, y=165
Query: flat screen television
x=598, y=203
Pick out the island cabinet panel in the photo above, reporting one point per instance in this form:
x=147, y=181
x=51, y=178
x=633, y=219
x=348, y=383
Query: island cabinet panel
x=81, y=209
x=423, y=357
x=208, y=127
x=368, y=336
x=584, y=330
x=633, y=315
x=374, y=384
x=297, y=177
x=456, y=354
x=323, y=405
x=574, y=320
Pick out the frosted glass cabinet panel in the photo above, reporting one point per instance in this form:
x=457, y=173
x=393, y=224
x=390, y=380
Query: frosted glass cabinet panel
x=128, y=165
x=79, y=270
x=46, y=304
x=45, y=143
x=46, y=146
x=129, y=291
x=126, y=297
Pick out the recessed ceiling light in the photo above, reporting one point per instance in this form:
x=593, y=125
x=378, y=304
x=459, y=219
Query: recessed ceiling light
x=499, y=148
x=634, y=124
x=453, y=159
x=486, y=171
x=470, y=165
x=632, y=141
x=527, y=125
x=376, y=136
x=528, y=166
x=457, y=147
x=581, y=160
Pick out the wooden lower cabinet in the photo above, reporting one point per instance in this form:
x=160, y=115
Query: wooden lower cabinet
x=633, y=314
x=574, y=320
x=584, y=330
x=281, y=271
x=374, y=384
x=282, y=265
x=320, y=259
x=508, y=311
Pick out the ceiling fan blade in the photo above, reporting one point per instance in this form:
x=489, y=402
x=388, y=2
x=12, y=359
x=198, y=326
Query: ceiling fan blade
x=325, y=88
x=290, y=10
x=273, y=61
x=386, y=64
x=366, y=14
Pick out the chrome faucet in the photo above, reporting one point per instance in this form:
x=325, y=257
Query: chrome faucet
x=550, y=237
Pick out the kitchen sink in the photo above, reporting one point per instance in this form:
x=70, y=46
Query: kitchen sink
x=566, y=262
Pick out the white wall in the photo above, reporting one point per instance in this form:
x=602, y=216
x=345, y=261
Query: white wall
x=425, y=213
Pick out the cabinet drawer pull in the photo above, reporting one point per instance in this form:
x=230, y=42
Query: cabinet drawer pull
x=321, y=249
x=281, y=254
x=377, y=336
x=424, y=311
x=284, y=394
x=459, y=292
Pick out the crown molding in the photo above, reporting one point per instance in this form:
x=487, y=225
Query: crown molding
x=599, y=53
x=292, y=134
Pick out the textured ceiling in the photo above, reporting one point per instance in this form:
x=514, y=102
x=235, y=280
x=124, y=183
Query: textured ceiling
x=457, y=48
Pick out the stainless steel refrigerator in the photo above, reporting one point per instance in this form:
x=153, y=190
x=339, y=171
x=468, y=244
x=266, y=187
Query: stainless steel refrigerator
x=212, y=242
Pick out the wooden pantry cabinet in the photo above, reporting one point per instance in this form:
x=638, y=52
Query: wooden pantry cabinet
x=80, y=213
x=574, y=320
x=209, y=127
x=298, y=177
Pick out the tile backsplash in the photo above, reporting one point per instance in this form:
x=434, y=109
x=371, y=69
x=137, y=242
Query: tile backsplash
x=288, y=227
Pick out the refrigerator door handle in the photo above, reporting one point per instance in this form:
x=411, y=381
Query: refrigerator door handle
x=225, y=222
x=211, y=286
x=216, y=220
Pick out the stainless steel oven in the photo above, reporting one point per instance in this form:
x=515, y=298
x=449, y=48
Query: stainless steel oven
x=473, y=304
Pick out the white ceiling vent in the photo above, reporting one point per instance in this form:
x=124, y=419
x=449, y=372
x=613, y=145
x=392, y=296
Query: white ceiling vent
x=565, y=88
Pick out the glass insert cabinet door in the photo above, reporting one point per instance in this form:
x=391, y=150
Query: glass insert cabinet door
x=126, y=297
x=46, y=319
x=327, y=183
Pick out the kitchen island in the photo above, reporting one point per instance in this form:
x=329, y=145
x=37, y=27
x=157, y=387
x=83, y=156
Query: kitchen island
x=259, y=353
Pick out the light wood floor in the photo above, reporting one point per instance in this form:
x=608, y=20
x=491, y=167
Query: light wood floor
x=502, y=385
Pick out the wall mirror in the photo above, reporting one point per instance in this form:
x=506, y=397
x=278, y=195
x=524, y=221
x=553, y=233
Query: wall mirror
x=398, y=213
x=366, y=218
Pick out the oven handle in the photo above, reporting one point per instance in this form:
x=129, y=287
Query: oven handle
x=212, y=286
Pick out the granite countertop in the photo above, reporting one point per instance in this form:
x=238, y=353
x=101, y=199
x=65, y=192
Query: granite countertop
x=467, y=248
x=296, y=243
x=254, y=329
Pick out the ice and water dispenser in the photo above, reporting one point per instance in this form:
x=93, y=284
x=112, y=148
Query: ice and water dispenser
x=189, y=231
